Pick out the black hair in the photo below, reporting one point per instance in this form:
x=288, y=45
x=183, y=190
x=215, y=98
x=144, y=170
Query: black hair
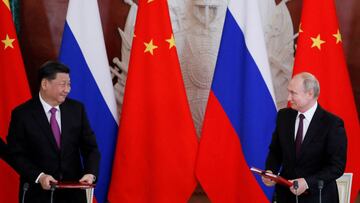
x=49, y=70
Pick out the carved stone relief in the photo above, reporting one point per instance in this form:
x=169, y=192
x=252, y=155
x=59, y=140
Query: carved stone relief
x=279, y=39
x=197, y=26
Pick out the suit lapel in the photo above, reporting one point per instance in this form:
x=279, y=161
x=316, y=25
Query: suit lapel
x=291, y=131
x=40, y=117
x=65, y=118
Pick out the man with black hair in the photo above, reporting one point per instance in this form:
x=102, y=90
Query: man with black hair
x=50, y=140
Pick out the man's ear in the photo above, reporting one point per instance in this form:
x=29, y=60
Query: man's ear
x=311, y=93
x=43, y=83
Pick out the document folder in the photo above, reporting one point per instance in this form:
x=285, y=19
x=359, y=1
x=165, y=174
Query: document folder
x=273, y=177
x=61, y=185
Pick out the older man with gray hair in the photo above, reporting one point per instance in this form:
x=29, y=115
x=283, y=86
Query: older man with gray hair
x=308, y=145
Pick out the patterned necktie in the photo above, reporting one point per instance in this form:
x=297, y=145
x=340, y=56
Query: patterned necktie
x=55, y=126
x=299, y=135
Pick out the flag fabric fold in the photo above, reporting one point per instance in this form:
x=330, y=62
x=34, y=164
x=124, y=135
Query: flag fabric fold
x=320, y=52
x=241, y=112
x=157, y=144
x=14, y=91
x=83, y=50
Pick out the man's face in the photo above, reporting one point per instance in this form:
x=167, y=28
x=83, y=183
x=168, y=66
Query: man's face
x=54, y=92
x=298, y=98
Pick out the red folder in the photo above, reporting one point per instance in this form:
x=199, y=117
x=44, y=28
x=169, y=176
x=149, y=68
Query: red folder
x=278, y=179
x=71, y=185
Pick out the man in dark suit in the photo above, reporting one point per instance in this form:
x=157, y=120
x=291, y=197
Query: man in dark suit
x=50, y=140
x=309, y=145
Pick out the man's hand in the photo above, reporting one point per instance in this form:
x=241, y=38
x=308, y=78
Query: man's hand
x=302, y=186
x=45, y=181
x=267, y=181
x=87, y=178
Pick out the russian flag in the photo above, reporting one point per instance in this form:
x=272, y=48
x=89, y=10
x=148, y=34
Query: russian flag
x=83, y=50
x=241, y=111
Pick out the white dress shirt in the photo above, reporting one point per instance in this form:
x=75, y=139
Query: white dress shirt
x=306, y=122
x=47, y=108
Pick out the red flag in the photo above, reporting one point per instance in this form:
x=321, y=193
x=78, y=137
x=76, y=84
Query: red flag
x=319, y=51
x=157, y=144
x=14, y=91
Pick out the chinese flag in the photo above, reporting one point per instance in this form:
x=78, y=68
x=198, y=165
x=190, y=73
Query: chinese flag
x=319, y=51
x=14, y=91
x=157, y=144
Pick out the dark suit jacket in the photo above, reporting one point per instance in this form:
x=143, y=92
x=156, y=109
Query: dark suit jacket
x=33, y=148
x=2, y=148
x=322, y=155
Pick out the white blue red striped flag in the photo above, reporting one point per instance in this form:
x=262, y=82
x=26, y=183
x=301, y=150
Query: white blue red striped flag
x=83, y=50
x=241, y=111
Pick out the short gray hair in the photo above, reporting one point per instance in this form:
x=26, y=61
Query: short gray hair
x=310, y=83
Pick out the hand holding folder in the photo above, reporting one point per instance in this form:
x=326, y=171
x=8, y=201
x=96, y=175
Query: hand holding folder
x=74, y=185
x=273, y=177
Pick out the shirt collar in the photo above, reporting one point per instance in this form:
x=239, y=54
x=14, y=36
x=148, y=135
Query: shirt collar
x=47, y=106
x=309, y=113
